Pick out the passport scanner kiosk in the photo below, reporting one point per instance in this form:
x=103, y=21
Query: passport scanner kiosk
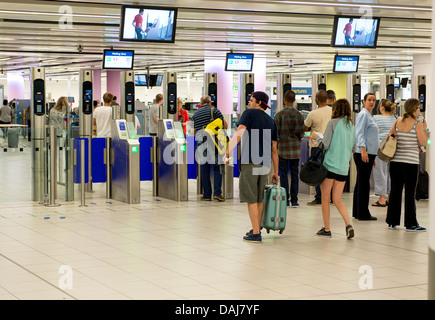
x=246, y=89
x=387, y=86
x=421, y=83
x=170, y=96
x=353, y=94
x=86, y=119
x=172, y=179
x=284, y=84
x=125, y=163
x=38, y=116
x=127, y=96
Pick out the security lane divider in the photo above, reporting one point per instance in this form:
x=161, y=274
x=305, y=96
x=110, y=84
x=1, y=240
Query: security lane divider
x=100, y=165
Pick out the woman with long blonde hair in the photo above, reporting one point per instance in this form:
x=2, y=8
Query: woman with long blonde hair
x=57, y=115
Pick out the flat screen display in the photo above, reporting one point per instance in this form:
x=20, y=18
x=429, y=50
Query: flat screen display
x=169, y=125
x=346, y=64
x=239, y=62
x=118, y=59
x=159, y=80
x=122, y=126
x=144, y=23
x=357, y=32
x=396, y=82
x=155, y=80
x=140, y=79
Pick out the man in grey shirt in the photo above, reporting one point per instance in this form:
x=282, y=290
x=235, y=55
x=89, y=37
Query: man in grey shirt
x=154, y=115
x=6, y=116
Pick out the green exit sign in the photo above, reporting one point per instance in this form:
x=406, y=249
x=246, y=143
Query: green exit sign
x=134, y=149
x=183, y=148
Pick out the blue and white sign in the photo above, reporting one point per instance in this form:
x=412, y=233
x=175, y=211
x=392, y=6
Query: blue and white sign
x=346, y=63
x=118, y=59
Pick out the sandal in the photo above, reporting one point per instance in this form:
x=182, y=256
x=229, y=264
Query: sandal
x=378, y=204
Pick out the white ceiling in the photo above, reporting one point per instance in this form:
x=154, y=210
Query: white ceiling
x=299, y=30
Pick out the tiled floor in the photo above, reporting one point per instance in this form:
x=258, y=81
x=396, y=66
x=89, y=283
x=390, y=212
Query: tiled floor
x=160, y=249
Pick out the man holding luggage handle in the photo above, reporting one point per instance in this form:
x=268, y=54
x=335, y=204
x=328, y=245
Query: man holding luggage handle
x=259, y=137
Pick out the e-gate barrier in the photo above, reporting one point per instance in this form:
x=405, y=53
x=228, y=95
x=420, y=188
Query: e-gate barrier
x=86, y=119
x=38, y=116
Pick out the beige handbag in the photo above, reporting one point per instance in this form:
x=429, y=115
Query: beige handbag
x=387, y=148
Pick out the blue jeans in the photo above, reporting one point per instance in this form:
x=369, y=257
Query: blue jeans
x=284, y=165
x=205, y=179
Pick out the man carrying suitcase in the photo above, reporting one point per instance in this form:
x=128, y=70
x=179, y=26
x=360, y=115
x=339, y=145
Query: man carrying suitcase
x=259, y=137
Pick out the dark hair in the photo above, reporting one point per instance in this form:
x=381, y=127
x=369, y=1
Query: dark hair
x=340, y=109
x=290, y=96
x=367, y=95
x=330, y=95
x=5, y=102
x=321, y=96
x=410, y=106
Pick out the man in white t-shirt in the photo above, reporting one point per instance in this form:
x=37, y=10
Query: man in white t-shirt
x=316, y=121
x=103, y=117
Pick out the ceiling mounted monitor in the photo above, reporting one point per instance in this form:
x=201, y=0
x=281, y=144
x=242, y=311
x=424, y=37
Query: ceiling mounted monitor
x=118, y=59
x=148, y=24
x=355, y=32
x=239, y=62
x=346, y=64
x=140, y=80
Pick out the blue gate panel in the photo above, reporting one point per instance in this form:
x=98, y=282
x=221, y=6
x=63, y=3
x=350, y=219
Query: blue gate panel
x=146, y=166
x=77, y=166
x=98, y=154
x=192, y=167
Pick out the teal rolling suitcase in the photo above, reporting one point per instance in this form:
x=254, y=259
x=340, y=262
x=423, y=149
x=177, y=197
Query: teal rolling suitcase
x=275, y=208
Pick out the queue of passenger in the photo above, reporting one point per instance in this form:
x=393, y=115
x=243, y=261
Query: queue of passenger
x=334, y=133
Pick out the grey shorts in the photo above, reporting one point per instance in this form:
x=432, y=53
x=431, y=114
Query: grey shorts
x=252, y=183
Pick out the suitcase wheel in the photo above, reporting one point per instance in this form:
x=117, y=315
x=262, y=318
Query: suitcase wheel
x=268, y=230
x=281, y=231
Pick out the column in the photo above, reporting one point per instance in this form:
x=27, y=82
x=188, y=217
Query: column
x=430, y=117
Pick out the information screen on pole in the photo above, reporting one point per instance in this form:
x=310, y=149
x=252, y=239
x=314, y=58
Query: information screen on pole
x=118, y=59
x=239, y=62
x=145, y=24
x=346, y=64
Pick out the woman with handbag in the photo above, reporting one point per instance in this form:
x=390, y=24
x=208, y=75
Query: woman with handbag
x=339, y=143
x=367, y=148
x=381, y=172
x=404, y=166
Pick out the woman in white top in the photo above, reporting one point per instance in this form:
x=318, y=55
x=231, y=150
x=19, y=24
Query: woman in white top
x=381, y=172
x=404, y=167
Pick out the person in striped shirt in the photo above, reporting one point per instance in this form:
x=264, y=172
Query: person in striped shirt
x=381, y=172
x=404, y=166
x=290, y=125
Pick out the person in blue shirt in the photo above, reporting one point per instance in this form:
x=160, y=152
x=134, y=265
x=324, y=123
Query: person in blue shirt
x=367, y=143
x=258, y=135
